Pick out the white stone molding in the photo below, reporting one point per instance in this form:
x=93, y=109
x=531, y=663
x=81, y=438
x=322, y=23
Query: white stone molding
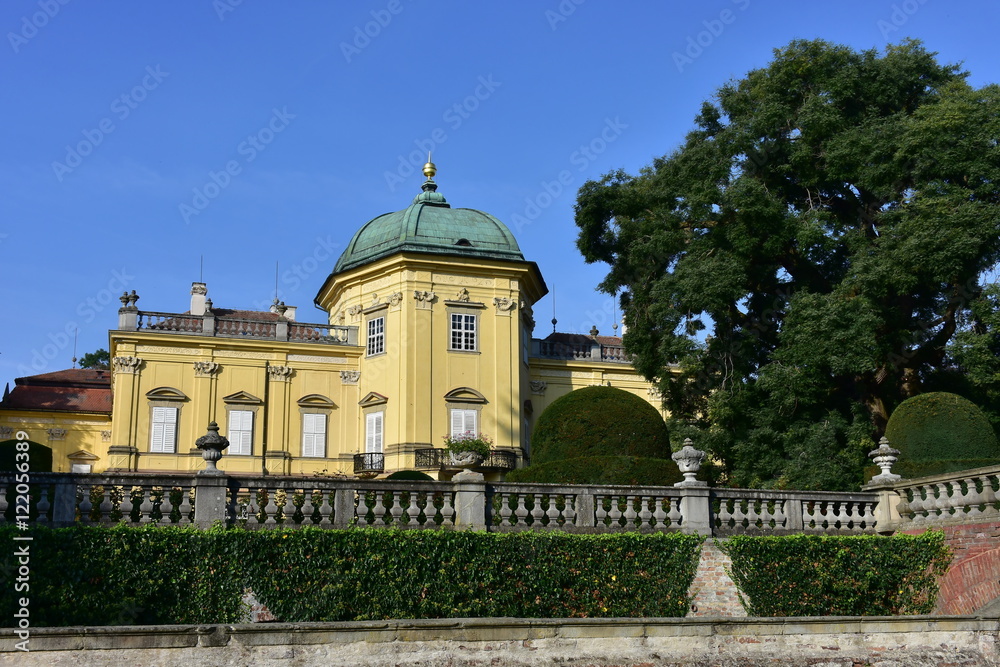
x=105, y=436
x=56, y=433
x=279, y=373
x=538, y=386
x=395, y=299
x=504, y=305
x=206, y=369
x=126, y=365
x=355, y=311
x=463, y=295
x=350, y=377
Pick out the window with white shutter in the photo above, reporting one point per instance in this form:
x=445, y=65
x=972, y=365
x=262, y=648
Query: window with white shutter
x=374, y=428
x=163, y=430
x=240, y=432
x=314, y=435
x=463, y=423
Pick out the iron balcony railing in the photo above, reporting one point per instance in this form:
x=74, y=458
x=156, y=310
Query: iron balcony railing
x=369, y=463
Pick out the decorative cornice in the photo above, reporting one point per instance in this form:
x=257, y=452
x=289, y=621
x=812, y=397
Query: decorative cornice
x=126, y=365
x=423, y=295
x=206, y=369
x=279, y=373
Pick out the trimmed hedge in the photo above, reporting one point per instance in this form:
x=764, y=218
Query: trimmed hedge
x=599, y=421
x=620, y=470
x=823, y=575
x=941, y=427
x=161, y=575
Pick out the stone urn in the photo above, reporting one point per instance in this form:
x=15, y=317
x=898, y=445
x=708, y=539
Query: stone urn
x=211, y=445
x=465, y=459
x=689, y=461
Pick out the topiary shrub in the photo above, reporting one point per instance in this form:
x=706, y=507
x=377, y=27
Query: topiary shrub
x=623, y=470
x=599, y=421
x=939, y=432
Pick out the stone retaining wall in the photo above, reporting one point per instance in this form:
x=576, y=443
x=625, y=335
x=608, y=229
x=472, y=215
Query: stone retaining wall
x=922, y=641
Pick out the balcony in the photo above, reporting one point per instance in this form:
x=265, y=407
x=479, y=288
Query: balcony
x=369, y=465
x=436, y=459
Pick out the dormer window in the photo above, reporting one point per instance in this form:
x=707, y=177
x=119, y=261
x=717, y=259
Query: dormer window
x=464, y=242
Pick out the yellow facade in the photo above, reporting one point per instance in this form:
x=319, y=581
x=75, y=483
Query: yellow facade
x=428, y=331
x=79, y=439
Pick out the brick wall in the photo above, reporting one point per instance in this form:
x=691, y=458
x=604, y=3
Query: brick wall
x=973, y=580
x=714, y=592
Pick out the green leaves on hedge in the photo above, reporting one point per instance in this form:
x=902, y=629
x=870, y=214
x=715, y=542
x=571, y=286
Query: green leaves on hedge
x=125, y=576
x=823, y=575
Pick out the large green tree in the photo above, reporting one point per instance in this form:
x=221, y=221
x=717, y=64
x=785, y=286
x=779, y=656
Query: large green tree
x=803, y=261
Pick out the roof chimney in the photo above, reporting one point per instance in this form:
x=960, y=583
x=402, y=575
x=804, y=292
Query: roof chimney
x=198, y=293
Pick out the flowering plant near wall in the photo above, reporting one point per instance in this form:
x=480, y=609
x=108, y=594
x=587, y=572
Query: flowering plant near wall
x=480, y=443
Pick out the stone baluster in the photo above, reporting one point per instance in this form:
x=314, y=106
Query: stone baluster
x=505, y=510
x=988, y=495
x=674, y=513
x=326, y=500
x=396, y=511
x=536, y=510
x=521, y=511
x=145, y=507
x=569, y=510
x=632, y=505
x=288, y=509
x=600, y=512
x=3, y=501
x=552, y=513
x=126, y=506
x=615, y=513
x=379, y=510
x=270, y=510
x=448, y=510
x=185, y=507
x=106, y=505
x=85, y=505
x=645, y=513
x=308, y=507
x=659, y=516
x=42, y=507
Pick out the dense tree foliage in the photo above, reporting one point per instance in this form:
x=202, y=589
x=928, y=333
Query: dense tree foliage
x=809, y=257
x=97, y=359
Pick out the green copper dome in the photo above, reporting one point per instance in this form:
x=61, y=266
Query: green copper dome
x=430, y=225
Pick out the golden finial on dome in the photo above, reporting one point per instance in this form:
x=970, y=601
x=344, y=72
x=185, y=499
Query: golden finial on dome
x=429, y=168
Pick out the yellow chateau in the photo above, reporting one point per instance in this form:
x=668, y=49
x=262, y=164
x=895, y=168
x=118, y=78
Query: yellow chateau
x=429, y=334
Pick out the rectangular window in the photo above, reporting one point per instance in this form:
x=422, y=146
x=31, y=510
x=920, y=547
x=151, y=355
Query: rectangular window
x=314, y=435
x=373, y=432
x=463, y=332
x=464, y=423
x=163, y=430
x=240, y=432
x=376, y=336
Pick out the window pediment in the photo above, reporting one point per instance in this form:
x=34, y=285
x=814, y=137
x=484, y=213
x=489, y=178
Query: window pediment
x=242, y=398
x=166, y=394
x=373, y=398
x=82, y=455
x=464, y=395
x=315, y=401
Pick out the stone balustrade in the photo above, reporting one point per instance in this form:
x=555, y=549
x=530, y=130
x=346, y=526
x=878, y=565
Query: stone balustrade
x=223, y=326
x=61, y=499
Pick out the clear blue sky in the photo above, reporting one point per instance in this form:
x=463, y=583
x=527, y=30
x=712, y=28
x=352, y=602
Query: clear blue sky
x=117, y=114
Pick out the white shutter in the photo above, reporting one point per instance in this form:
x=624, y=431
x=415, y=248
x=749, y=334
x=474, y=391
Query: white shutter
x=163, y=430
x=313, y=435
x=463, y=422
x=240, y=432
x=457, y=424
x=373, y=432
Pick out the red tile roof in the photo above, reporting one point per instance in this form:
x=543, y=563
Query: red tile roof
x=70, y=390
